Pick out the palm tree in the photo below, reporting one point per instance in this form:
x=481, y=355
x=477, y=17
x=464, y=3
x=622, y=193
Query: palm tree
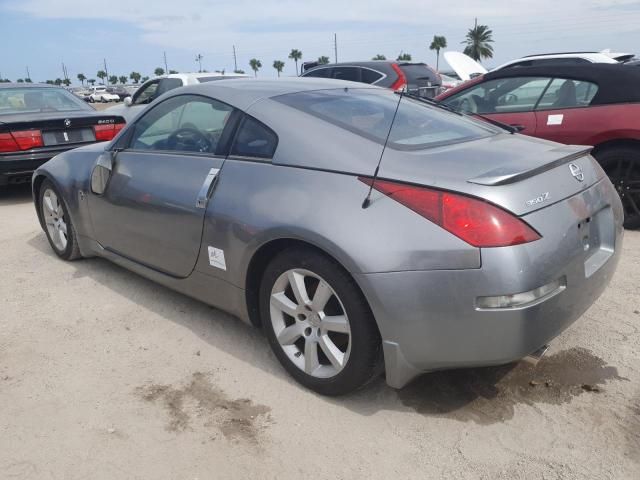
x=438, y=43
x=58, y=81
x=101, y=75
x=20, y=80
x=135, y=76
x=323, y=60
x=404, y=57
x=295, y=55
x=379, y=57
x=159, y=71
x=113, y=79
x=144, y=79
x=123, y=79
x=82, y=78
x=27, y=80
x=92, y=81
x=278, y=65
x=255, y=65
x=199, y=58
x=478, y=41
x=66, y=82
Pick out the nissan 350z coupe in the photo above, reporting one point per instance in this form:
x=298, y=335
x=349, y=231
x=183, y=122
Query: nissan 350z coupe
x=469, y=246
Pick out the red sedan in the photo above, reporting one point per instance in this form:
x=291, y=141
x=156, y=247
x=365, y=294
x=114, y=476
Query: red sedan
x=591, y=104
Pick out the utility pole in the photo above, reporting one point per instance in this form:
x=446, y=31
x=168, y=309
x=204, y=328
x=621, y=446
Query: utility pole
x=335, y=46
x=105, y=69
x=64, y=71
x=235, y=60
x=166, y=68
x=199, y=60
x=28, y=75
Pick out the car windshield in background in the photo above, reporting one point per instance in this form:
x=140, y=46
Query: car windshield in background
x=370, y=112
x=36, y=100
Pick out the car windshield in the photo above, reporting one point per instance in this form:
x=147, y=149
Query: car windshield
x=369, y=113
x=35, y=100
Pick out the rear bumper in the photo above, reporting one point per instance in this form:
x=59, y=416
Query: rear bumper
x=18, y=167
x=429, y=320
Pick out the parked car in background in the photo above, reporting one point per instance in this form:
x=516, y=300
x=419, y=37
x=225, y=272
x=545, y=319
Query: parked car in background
x=80, y=92
x=101, y=94
x=38, y=122
x=259, y=197
x=416, y=78
x=467, y=68
x=121, y=92
x=152, y=89
x=592, y=104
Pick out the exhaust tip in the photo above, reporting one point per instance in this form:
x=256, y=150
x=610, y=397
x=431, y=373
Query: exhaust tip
x=535, y=357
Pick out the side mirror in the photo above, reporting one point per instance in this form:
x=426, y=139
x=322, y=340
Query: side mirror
x=102, y=173
x=128, y=101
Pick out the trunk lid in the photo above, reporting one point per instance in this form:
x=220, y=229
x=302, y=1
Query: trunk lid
x=67, y=128
x=464, y=66
x=521, y=174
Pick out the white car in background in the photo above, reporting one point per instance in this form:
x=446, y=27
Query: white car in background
x=100, y=94
x=467, y=68
x=152, y=89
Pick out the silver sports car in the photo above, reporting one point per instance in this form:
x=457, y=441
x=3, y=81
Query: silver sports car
x=363, y=230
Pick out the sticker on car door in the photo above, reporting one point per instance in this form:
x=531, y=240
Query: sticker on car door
x=216, y=258
x=555, y=119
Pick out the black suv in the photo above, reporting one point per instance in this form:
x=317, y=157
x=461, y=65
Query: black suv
x=416, y=78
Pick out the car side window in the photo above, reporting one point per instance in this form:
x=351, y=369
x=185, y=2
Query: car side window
x=503, y=95
x=166, y=84
x=146, y=94
x=346, y=73
x=370, y=76
x=254, y=139
x=185, y=123
x=565, y=93
x=318, y=73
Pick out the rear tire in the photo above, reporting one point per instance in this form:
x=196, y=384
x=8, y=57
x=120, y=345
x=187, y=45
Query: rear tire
x=331, y=344
x=622, y=165
x=57, y=223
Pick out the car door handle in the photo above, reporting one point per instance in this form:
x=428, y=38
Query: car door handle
x=203, y=195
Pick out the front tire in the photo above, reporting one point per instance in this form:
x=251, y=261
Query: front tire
x=318, y=323
x=622, y=165
x=57, y=223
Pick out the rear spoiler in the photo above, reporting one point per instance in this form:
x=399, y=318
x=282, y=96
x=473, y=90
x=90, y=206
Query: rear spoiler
x=510, y=174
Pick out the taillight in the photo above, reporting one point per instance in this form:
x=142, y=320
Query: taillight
x=401, y=83
x=107, y=131
x=20, y=140
x=475, y=221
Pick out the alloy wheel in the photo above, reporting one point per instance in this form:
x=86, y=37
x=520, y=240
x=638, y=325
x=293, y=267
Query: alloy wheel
x=624, y=174
x=54, y=219
x=310, y=323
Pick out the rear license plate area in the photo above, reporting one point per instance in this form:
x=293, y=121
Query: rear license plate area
x=597, y=237
x=62, y=137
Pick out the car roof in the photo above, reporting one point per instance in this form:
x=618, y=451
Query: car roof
x=593, y=57
x=243, y=92
x=617, y=83
x=28, y=85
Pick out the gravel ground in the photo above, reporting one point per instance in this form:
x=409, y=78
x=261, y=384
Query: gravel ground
x=105, y=375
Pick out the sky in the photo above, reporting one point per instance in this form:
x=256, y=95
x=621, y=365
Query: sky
x=132, y=35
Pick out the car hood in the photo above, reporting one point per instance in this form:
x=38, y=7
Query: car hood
x=464, y=66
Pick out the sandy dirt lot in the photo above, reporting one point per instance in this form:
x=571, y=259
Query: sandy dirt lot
x=105, y=375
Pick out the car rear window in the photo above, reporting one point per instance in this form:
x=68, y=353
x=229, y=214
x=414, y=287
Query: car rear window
x=369, y=113
x=419, y=72
x=38, y=100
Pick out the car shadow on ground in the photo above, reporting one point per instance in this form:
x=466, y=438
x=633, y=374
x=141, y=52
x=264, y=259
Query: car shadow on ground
x=481, y=395
x=15, y=194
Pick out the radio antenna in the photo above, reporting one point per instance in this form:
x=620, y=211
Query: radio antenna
x=367, y=200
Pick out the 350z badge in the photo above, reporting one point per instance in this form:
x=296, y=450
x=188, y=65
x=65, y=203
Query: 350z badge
x=534, y=201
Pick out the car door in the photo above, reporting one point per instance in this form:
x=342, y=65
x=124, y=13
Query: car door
x=510, y=100
x=151, y=206
x=563, y=114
